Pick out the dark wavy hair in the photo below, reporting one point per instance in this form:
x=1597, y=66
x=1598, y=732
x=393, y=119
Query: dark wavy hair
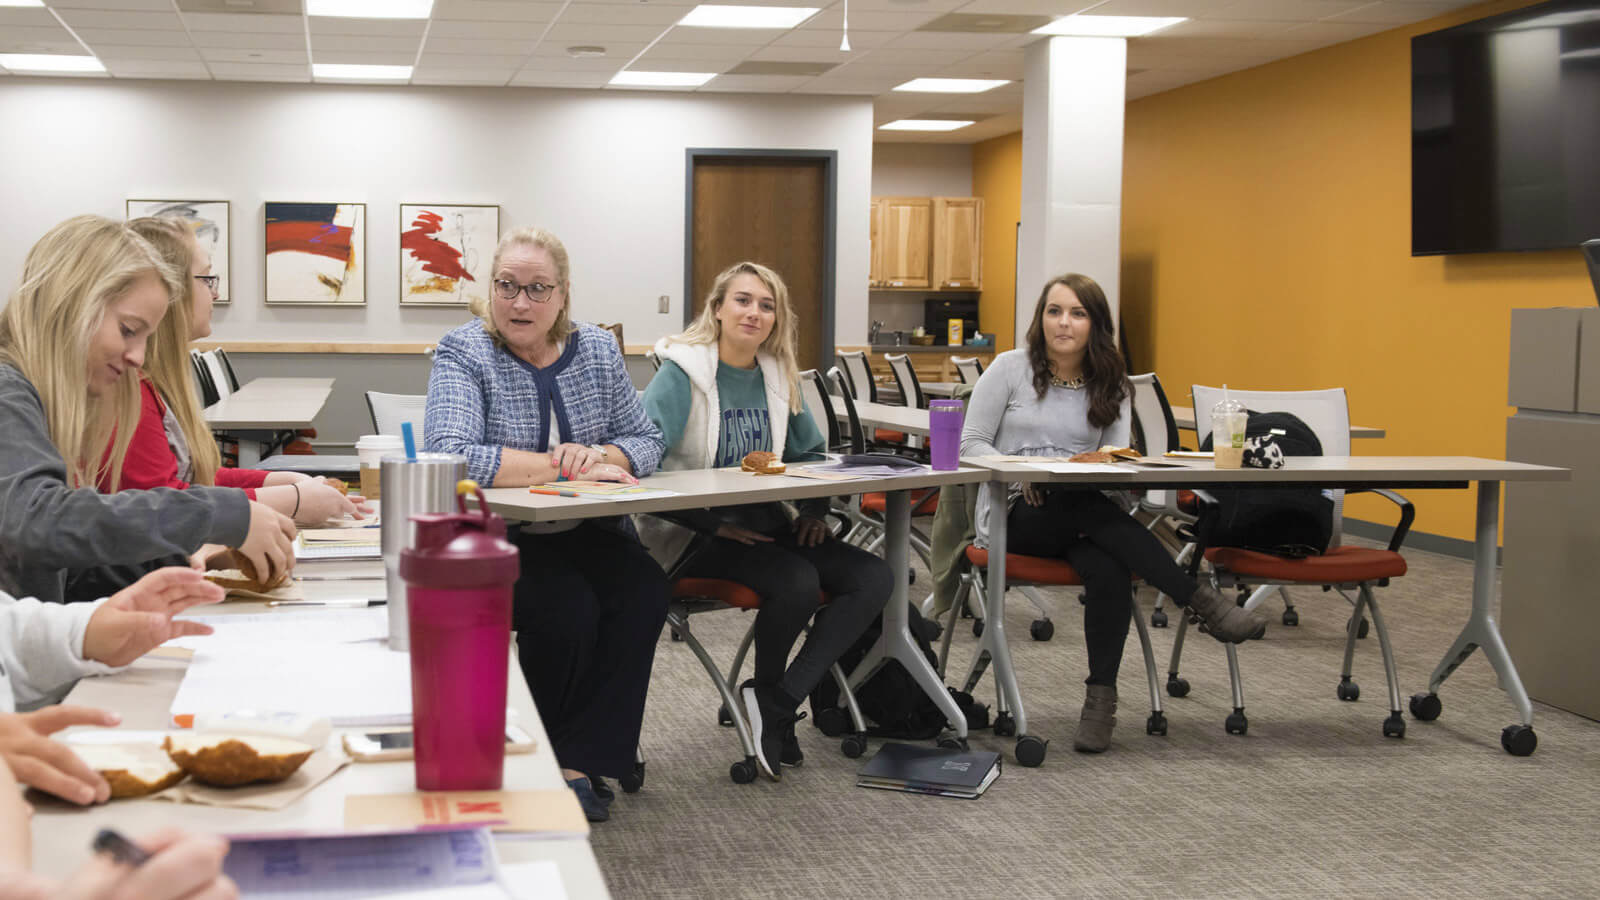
x=1104, y=374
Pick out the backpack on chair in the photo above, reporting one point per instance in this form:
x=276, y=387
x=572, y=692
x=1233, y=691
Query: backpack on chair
x=1289, y=522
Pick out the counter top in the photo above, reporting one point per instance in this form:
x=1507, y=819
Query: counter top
x=931, y=348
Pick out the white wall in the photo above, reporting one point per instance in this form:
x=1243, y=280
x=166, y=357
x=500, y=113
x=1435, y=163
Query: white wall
x=603, y=169
x=921, y=170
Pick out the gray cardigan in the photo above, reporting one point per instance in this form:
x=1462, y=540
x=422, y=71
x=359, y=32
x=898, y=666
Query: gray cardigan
x=48, y=530
x=1006, y=417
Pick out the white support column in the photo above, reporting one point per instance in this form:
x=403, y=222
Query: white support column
x=1072, y=113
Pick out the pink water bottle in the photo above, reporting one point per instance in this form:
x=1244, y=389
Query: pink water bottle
x=459, y=576
x=944, y=433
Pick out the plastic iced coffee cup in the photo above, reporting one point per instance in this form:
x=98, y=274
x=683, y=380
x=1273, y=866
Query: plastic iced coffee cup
x=371, y=448
x=1228, y=421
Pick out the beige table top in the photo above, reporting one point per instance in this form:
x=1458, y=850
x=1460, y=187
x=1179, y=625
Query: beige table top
x=1329, y=471
x=1184, y=417
x=271, y=403
x=882, y=415
x=939, y=388
x=700, y=488
x=143, y=695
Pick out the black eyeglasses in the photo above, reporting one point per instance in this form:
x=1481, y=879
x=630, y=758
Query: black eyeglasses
x=538, y=292
x=210, y=281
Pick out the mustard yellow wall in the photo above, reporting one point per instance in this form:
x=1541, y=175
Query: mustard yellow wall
x=1266, y=243
x=997, y=178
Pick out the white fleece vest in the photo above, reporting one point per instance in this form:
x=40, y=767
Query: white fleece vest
x=702, y=430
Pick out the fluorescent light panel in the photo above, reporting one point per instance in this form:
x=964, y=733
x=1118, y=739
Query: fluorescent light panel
x=370, y=9
x=662, y=79
x=21, y=2
x=1108, y=26
x=924, y=125
x=951, y=85
x=49, y=62
x=354, y=72
x=714, y=16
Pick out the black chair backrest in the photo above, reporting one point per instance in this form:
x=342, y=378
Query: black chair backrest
x=906, y=377
x=857, y=440
x=227, y=369
x=858, y=375
x=202, y=378
x=815, y=392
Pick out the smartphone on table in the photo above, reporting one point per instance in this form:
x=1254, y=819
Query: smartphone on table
x=387, y=745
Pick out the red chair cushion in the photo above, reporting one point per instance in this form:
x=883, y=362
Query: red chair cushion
x=1037, y=569
x=730, y=592
x=1338, y=566
x=921, y=504
x=885, y=436
x=1187, y=503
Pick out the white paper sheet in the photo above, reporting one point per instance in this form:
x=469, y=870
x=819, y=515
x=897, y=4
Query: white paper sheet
x=440, y=863
x=1071, y=468
x=351, y=684
x=329, y=626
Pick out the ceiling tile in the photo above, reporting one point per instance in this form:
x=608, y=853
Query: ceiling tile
x=825, y=84
x=22, y=34
x=759, y=84
x=486, y=77
x=935, y=6
x=268, y=41
x=253, y=72
x=68, y=47
x=241, y=55
x=100, y=18
x=131, y=36
x=364, y=57
x=888, y=56
x=135, y=51
x=1224, y=28
x=626, y=13
x=987, y=65
x=322, y=42
x=1393, y=14
x=146, y=5
x=562, y=79
x=437, y=44
x=1333, y=32
x=393, y=28
x=653, y=63
x=494, y=11
x=947, y=42
x=859, y=39
x=1286, y=10
x=621, y=51
x=599, y=34
x=832, y=19
x=242, y=23
x=1026, y=7
x=609, y=63
x=32, y=18
x=759, y=37
x=721, y=52
x=486, y=30
x=804, y=54
x=510, y=62
x=1190, y=9
x=155, y=68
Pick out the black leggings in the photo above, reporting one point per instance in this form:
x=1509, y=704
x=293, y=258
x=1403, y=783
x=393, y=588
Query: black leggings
x=788, y=577
x=1106, y=546
x=588, y=609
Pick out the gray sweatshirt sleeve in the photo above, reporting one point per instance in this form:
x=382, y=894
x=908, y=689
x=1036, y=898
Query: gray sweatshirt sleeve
x=46, y=526
x=41, y=651
x=986, y=406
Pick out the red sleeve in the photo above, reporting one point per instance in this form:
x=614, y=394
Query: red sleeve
x=150, y=462
x=242, y=478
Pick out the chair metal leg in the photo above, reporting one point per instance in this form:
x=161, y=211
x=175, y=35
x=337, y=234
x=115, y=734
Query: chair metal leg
x=857, y=721
x=1157, y=724
x=1236, y=723
x=738, y=658
x=1395, y=724
x=1259, y=595
x=954, y=613
x=680, y=622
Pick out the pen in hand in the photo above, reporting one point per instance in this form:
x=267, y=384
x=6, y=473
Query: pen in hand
x=119, y=848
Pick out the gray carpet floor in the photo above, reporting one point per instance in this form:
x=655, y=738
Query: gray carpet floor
x=1312, y=802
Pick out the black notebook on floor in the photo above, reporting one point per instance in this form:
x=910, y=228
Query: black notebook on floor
x=930, y=770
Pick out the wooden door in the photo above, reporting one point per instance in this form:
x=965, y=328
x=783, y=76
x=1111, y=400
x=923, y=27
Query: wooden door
x=773, y=211
x=907, y=241
x=957, y=243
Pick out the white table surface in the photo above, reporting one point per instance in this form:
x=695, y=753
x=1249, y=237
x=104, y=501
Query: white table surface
x=143, y=695
x=881, y=415
x=271, y=404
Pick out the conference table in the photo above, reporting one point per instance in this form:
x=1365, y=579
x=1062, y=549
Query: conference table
x=143, y=695
x=1336, y=472
x=268, y=406
x=702, y=488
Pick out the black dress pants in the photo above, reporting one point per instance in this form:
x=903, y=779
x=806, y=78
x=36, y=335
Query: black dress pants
x=589, y=606
x=1106, y=546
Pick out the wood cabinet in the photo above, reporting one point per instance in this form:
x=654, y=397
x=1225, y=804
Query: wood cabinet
x=923, y=243
x=957, y=243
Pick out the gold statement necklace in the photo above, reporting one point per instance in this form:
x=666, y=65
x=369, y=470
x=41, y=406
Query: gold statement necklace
x=1073, y=384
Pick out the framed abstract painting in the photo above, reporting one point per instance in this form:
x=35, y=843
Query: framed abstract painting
x=208, y=219
x=445, y=252
x=316, y=253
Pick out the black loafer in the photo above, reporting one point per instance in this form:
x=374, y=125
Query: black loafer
x=593, y=808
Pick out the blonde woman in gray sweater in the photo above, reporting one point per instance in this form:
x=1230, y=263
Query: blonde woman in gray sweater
x=1065, y=393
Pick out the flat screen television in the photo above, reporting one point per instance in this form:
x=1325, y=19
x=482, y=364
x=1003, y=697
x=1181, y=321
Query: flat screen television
x=1505, y=132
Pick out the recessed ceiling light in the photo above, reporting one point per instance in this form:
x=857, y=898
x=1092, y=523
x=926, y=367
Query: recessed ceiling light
x=351, y=72
x=662, y=79
x=21, y=2
x=583, y=51
x=49, y=62
x=952, y=85
x=924, y=125
x=370, y=9
x=1108, y=26
x=712, y=16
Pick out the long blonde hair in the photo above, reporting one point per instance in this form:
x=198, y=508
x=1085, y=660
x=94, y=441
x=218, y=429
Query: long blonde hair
x=705, y=329
x=483, y=307
x=69, y=279
x=166, y=362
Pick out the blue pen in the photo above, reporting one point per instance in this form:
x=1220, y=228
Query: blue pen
x=411, y=441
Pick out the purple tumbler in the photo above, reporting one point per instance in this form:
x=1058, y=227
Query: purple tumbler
x=944, y=433
x=458, y=579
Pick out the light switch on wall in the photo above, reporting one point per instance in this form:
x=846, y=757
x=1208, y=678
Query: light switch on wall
x=664, y=305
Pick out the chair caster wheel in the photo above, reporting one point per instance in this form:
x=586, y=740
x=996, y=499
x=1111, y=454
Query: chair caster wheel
x=1519, y=740
x=1177, y=687
x=1005, y=725
x=633, y=781
x=1042, y=629
x=1394, y=726
x=951, y=742
x=724, y=718
x=1426, y=707
x=1291, y=618
x=1158, y=619
x=853, y=745
x=743, y=771
x=1156, y=724
x=1236, y=723
x=1030, y=751
x=1349, y=691
x=833, y=722
x=977, y=627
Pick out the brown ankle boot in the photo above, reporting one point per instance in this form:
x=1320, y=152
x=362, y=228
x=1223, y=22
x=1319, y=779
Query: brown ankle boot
x=1098, y=718
x=1222, y=618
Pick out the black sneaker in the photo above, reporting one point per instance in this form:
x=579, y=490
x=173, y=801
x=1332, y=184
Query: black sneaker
x=602, y=790
x=792, y=755
x=769, y=722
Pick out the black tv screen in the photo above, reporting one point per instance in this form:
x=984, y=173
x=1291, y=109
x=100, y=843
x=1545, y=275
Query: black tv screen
x=1505, y=132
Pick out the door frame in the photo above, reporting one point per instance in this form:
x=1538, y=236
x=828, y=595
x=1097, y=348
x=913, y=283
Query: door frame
x=830, y=203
